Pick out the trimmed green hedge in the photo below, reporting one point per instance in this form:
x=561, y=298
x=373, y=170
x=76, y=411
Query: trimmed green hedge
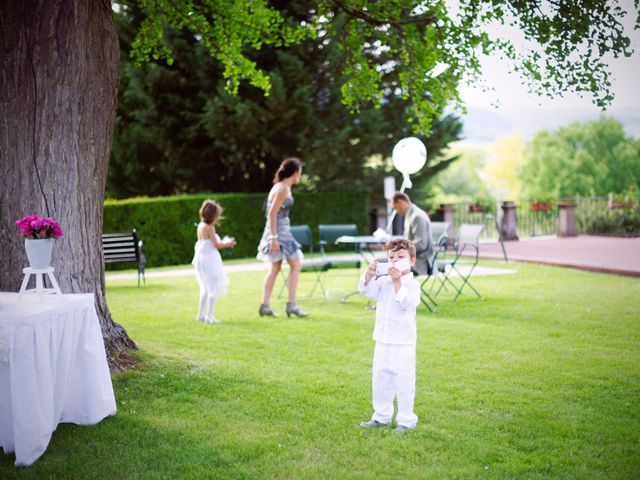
x=167, y=225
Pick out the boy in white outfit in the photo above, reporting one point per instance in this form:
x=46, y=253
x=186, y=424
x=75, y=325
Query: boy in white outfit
x=394, y=359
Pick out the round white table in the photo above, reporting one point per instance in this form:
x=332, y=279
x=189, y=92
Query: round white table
x=53, y=369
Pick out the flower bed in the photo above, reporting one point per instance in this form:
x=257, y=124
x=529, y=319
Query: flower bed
x=541, y=206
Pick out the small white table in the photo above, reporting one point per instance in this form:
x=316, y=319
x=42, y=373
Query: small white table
x=366, y=244
x=53, y=369
x=39, y=274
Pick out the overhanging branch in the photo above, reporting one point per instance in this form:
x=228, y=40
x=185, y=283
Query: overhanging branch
x=424, y=19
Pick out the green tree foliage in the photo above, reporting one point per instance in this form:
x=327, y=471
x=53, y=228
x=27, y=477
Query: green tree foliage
x=567, y=42
x=381, y=55
x=179, y=130
x=462, y=181
x=585, y=158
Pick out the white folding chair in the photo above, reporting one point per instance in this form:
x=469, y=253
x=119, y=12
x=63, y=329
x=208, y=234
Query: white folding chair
x=440, y=240
x=468, y=239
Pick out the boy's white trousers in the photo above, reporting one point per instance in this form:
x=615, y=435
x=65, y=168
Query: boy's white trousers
x=394, y=375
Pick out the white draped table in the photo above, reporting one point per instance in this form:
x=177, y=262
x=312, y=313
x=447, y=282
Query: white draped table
x=53, y=369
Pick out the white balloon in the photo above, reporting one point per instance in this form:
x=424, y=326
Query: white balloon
x=409, y=155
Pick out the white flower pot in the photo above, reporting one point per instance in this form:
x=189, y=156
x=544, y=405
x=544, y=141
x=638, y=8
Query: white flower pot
x=39, y=252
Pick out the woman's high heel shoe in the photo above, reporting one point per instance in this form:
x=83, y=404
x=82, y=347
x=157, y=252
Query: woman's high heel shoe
x=265, y=310
x=292, y=308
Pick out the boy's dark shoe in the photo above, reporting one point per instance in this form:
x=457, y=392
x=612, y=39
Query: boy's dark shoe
x=403, y=428
x=373, y=424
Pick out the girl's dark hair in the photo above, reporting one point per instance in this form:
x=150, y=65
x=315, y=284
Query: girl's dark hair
x=288, y=167
x=210, y=212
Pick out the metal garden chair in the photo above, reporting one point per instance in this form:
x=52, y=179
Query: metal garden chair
x=468, y=238
x=440, y=237
x=329, y=233
x=319, y=265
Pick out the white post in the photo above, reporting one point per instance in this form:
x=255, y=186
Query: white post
x=389, y=190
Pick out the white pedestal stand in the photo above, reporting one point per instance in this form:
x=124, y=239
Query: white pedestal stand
x=40, y=289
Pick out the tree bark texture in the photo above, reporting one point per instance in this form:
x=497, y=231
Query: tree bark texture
x=59, y=72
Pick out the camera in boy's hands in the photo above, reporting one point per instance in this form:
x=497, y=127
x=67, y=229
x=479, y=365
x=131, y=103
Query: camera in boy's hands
x=382, y=268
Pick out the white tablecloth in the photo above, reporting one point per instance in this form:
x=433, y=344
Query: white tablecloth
x=53, y=369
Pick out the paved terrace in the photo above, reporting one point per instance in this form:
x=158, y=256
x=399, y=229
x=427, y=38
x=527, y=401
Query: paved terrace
x=594, y=253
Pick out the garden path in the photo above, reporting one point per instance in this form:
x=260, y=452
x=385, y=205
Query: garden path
x=586, y=252
x=256, y=266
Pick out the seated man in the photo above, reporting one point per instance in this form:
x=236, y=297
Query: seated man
x=417, y=228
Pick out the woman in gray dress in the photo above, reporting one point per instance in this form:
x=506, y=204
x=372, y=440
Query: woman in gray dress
x=277, y=243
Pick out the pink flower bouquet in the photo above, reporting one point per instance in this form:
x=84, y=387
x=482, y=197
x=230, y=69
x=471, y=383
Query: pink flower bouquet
x=35, y=227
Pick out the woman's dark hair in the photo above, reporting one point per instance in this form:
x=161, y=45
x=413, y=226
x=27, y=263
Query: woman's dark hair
x=288, y=167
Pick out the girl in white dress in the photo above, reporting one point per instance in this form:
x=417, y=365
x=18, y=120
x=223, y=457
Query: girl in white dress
x=207, y=261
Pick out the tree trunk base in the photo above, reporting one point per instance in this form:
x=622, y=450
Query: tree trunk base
x=122, y=362
x=119, y=349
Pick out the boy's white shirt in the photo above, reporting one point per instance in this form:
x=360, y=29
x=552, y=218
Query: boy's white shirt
x=395, y=311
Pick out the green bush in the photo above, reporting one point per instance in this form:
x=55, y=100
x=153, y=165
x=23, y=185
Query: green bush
x=167, y=225
x=622, y=221
x=617, y=214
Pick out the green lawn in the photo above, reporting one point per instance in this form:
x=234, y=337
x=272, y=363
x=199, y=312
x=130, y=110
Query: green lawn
x=539, y=379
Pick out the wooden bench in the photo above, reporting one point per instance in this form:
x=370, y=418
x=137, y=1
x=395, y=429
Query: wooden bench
x=124, y=247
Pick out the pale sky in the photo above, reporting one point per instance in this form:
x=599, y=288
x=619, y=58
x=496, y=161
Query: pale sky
x=524, y=113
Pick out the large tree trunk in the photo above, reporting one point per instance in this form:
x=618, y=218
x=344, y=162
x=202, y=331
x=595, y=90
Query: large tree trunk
x=59, y=70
